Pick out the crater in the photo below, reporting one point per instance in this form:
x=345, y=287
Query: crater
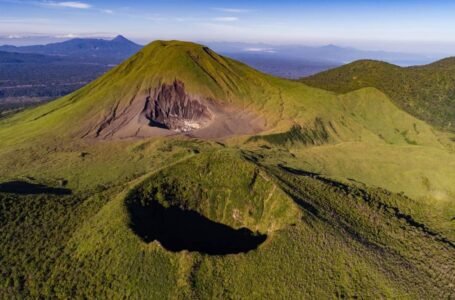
x=177, y=229
x=172, y=108
x=215, y=203
x=169, y=110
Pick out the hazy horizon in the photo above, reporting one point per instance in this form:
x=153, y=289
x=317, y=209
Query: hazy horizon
x=28, y=40
x=399, y=26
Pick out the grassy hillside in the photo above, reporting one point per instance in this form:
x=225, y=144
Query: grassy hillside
x=321, y=241
x=427, y=92
x=296, y=115
x=282, y=103
x=341, y=196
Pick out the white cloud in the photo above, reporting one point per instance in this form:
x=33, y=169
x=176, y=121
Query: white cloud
x=266, y=50
x=67, y=36
x=102, y=35
x=75, y=4
x=107, y=11
x=13, y=37
x=226, y=19
x=231, y=10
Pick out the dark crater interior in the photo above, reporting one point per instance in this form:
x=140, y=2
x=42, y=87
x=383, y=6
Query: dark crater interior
x=171, y=108
x=178, y=229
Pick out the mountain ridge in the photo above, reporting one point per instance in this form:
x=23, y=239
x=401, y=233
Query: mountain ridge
x=332, y=54
x=21, y=58
x=117, y=99
x=115, y=49
x=424, y=91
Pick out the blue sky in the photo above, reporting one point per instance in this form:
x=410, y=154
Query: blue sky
x=407, y=25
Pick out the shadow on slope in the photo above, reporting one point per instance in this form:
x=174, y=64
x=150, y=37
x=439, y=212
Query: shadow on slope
x=177, y=229
x=316, y=134
x=26, y=188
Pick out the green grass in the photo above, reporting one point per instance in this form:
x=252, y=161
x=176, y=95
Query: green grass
x=328, y=240
x=248, y=199
x=282, y=103
x=376, y=223
x=312, y=135
x=426, y=92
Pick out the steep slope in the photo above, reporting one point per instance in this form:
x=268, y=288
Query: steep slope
x=427, y=92
x=213, y=97
x=118, y=103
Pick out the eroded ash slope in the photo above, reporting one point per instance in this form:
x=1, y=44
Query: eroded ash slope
x=169, y=110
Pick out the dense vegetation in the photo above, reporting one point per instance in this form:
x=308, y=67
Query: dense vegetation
x=51, y=80
x=20, y=58
x=25, y=84
x=427, y=92
x=321, y=241
x=32, y=74
x=344, y=196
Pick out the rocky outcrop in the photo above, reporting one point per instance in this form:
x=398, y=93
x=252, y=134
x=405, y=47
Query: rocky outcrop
x=168, y=110
x=171, y=108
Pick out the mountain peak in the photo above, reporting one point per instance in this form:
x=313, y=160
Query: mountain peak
x=166, y=88
x=120, y=38
x=330, y=46
x=202, y=70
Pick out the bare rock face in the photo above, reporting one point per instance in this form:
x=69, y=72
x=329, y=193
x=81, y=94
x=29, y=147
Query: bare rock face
x=170, y=107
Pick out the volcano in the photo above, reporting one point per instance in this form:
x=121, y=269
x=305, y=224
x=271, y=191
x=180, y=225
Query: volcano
x=181, y=88
x=185, y=174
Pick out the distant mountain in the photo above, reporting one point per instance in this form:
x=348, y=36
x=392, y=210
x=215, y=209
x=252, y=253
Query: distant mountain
x=329, y=53
x=282, y=66
x=427, y=92
x=88, y=50
x=69, y=65
x=21, y=58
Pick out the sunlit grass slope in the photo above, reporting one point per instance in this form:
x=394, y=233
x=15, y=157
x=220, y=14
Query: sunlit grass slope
x=428, y=92
x=354, y=194
x=325, y=239
x=354, y=116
